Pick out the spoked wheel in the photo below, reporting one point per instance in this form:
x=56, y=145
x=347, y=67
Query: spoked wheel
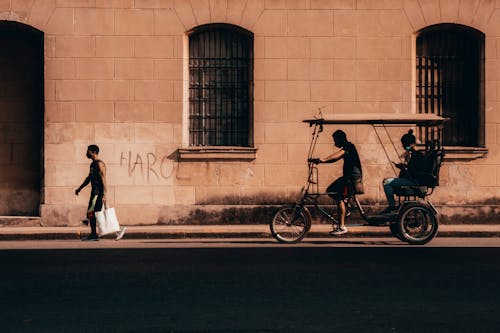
x=417, y=224
x=290, y=223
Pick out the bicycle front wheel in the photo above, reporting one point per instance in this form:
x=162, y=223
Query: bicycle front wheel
x=290, y=223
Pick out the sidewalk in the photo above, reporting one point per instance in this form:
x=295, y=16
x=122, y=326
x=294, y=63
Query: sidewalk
x=230, y=231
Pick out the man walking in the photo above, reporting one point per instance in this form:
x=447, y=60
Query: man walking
x=97, y=179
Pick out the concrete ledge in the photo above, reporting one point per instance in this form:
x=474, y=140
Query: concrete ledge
x=216, y=153
x=228, y=231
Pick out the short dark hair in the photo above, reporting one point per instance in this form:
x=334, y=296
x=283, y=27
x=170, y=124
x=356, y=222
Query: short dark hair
x=93, y=148
x=340, y=136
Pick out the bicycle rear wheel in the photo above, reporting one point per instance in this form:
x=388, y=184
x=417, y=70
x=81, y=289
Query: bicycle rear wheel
x=290, y=223
x=417, y=224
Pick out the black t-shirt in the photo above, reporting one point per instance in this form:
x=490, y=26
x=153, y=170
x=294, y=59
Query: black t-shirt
x=415, y=165
x=95, y=178
x=352, y=164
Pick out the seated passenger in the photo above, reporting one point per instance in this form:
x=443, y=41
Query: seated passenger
x=413, y=163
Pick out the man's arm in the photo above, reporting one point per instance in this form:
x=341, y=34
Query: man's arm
x=85, y=183
x=102, y=174
x=333, y=157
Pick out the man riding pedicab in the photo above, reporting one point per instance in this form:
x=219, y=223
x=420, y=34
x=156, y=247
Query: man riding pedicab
x=343, y=187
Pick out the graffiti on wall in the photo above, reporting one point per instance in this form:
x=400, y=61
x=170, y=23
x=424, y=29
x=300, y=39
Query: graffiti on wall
x=149, y=165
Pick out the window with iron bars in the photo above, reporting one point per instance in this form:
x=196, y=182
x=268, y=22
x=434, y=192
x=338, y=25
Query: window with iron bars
x=220, y=86
x=450, y=81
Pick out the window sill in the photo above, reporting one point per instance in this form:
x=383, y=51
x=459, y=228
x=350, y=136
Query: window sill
x=217, y=153
x=454, y=153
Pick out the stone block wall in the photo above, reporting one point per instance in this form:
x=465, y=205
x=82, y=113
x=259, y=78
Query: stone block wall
x=115, y=76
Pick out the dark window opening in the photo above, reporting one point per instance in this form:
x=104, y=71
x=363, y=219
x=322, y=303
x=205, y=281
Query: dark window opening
x=220, y=86
x=450, y=81
x=21, y=118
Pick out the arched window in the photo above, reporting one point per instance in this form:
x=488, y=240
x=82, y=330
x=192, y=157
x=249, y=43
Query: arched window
x=450, y=81
x=220, y=86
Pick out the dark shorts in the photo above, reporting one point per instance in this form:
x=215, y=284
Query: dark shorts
x=339, y=189
x=95, y=204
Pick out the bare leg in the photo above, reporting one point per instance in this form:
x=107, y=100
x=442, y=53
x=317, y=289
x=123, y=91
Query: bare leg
x=341, y=208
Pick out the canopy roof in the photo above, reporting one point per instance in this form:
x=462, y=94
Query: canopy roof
x=419, y=119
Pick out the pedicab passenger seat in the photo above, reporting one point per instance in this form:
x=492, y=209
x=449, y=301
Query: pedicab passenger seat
x=428, y=179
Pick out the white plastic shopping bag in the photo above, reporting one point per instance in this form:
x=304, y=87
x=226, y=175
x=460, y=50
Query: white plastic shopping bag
x=107, y=223
x=111, y=219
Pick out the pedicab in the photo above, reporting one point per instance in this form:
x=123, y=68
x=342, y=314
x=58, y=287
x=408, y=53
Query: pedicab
x=416, y=219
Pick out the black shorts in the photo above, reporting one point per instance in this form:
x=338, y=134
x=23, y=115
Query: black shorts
x=95, y=203
x=340, y=189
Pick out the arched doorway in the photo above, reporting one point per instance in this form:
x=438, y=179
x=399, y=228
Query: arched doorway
x=21, y=118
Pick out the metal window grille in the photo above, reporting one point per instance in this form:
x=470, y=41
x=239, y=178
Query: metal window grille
x=220, y=86
x=450, y=81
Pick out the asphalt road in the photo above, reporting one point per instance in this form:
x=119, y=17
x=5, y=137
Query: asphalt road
x=260, y=288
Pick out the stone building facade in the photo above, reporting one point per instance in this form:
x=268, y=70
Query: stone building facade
x=131, y=77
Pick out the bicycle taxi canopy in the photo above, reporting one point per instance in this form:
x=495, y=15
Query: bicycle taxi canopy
x=430, y=125
x=418, y=119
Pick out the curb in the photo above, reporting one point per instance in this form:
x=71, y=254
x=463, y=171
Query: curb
x=196, y=234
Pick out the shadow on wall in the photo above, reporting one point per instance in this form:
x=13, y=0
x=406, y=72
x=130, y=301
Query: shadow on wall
x=478, y=213
x=219, y=215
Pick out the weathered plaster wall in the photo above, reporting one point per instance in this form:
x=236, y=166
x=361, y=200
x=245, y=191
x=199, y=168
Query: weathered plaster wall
x=114, y=76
